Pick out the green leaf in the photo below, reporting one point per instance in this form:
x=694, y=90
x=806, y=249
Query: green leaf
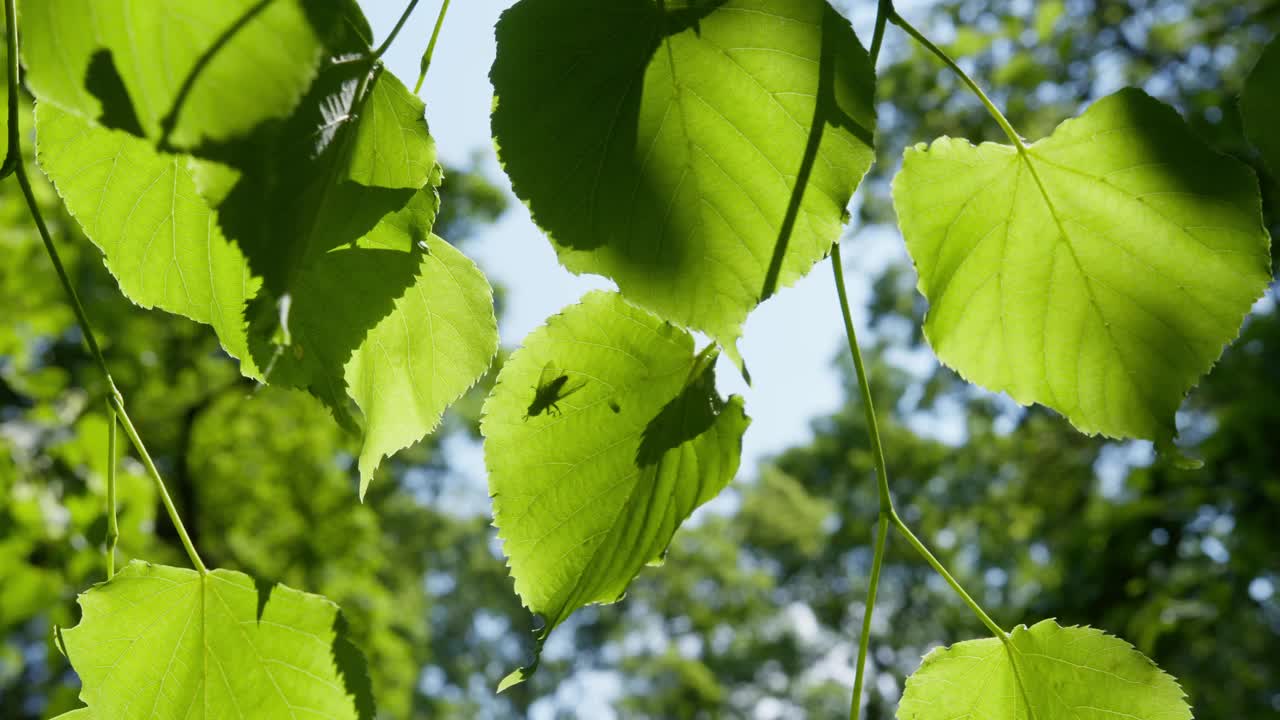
x=307, y=245
x=187, y=73
x=1260, y=105
x=1045, y=672
x=394, y=318
x=334, y=210
x=1098, y=273
x=140, y=207
x=391, y=146
x=664, y=148
x=159, y=642
x=356, y=150
x=603, y=433
x=402, y=359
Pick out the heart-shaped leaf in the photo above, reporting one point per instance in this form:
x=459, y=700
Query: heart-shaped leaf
x=1099, y=271
x=164, y=643
x=699, y=154
x=141, y=208
x=602, y=434
x=1045, y=672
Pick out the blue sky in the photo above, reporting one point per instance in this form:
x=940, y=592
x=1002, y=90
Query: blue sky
x=789, y=342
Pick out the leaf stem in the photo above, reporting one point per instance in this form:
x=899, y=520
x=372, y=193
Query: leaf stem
x=883, y=11
x=113, y=529
x=887, y=510
x=1014, y=138
x=864, y=640
x=114, y=399
x=995, y=629
x=431, y=47
x=706, y=356
x=882, y=483
x=164, y=492
x=886, y=515
x=864, y=386
x=386, y=44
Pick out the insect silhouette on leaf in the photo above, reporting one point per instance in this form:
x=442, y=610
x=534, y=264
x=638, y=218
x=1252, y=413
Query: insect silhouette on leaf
x=553, y=386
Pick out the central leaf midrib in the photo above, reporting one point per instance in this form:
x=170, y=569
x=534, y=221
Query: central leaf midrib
x=205, y=581
x=1025, y=155
x=1013, y=652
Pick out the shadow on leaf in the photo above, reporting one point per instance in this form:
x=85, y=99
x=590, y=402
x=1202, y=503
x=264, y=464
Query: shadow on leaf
x=103, y=81
x=688, y=415
x=353, y=669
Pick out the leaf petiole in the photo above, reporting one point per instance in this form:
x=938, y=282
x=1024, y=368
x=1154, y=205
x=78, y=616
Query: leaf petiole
x=887, y=515
x=938, y=567
x=113, y=529
x=431, y=48
x=883, y=11
x=114, y=398
x=386, y=44
x=1014, y=138
x=13, y=153
x=886, y=511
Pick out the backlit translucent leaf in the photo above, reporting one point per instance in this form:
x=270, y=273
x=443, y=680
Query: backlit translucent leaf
x=403, y=359
x=141, y=208
x=327, y=176
x=203, y=71
x=1260, y=105
x=391, y=147
x=1100, y=273
x=1045, y=673
x=393, y=318
x=165, y=643
x=661, y=148
x=602, y=435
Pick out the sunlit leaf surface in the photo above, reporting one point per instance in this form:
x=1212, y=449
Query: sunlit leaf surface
x=1099, y=273
x=185, y=73
x=664, y=148
x=166, y=643
x=1046, y=672
x=603, y=434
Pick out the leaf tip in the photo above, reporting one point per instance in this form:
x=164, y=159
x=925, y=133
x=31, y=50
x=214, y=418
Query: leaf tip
x=731, y=352
x=511, y=680
x=1176, y=458
x=366, y=477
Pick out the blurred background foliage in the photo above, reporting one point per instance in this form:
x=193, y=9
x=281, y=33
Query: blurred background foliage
x=756, y=611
